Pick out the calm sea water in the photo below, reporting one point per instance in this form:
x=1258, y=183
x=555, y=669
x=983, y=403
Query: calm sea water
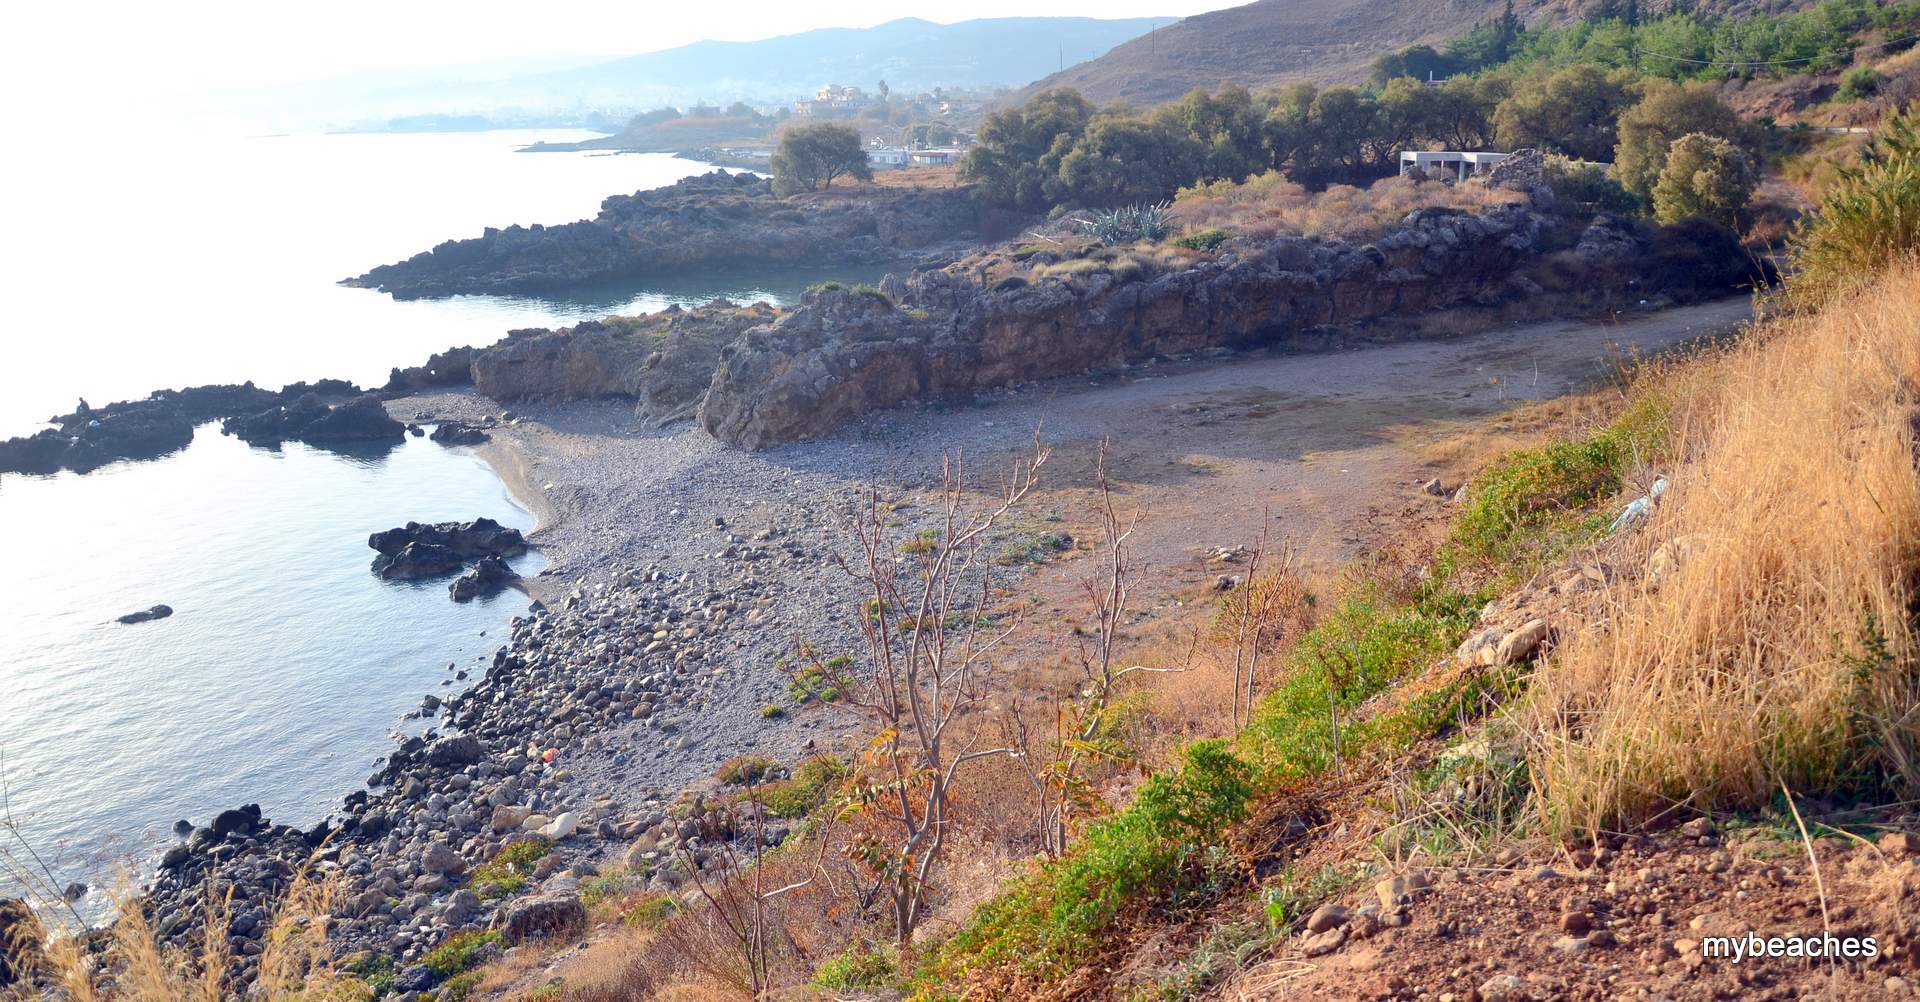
x=180, y=258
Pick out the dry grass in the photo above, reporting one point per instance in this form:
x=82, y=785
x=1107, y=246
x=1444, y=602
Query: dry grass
x=1268, y=205
x=296, y=965
x=1777, y=644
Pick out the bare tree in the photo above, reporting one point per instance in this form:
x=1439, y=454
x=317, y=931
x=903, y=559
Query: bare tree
x=738, y=894
x=928, y=638
x=1057, y=768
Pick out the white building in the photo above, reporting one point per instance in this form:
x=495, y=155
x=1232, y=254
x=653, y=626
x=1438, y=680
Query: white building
x=887, y=156
x=1460, y=165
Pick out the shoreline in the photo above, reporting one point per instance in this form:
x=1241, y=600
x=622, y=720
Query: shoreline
x=680, y=569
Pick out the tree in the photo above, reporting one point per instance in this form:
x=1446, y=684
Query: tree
x=1704, y=177
x=926, y=674
x=1575, y=111
x=1123, y=160
x=1664, y=113
x=1020, y=148
x=811, y=156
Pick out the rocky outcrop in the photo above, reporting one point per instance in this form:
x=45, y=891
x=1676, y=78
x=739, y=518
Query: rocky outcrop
x=307, y=418
x=712, y=220
x=663, y=360
x=163, y=423
x=448, y=368
x=486, y=577
x=455, y=433
x=981, y=324
x=415, y=551
x=146, y=615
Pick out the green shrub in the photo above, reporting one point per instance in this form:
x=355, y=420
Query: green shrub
x=1859, y=83
x=860, y=967
x=1131, y=222
x=815, y=681
x=1035, y=548
x=650, y=912
x=772, y=711
x=1869, y=217
x=461, y=952
x=460, y=987
x=746, y=770
x=507, y=872
x=1532, y=496
x=814, y=782
x=1204, y=240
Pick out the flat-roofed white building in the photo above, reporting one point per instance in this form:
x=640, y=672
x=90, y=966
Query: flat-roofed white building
x=1461, y=165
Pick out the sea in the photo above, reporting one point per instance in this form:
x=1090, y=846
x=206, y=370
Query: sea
x=185, y=256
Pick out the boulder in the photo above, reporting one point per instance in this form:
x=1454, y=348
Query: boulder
x=416, y=561
x=486, y=577
x=307, y=418
x=481, y=537
x=455, y=433
x=239, y=819
x=459, y=750
x=146, y=615
x=541, y=916
x=440, y=858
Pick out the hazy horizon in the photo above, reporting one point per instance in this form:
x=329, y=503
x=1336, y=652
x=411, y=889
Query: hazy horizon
x=141, y=60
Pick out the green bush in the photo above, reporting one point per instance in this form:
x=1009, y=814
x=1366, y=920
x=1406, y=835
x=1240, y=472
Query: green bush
x=507, y=872
x=746, y=770
x=814, y=782
x=1869, y=217
x=461, y=952
x=859, y=968
x=815, y=681
x=1204, y=240
x=1859, y=83
x=1129, y=223
x=647, y=913
x=1704, y=177
x=1532, y=495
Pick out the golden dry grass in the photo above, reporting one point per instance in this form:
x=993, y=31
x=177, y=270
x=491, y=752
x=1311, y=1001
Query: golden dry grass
x=296, y=965
x=1268, y=204
x=1777, y=645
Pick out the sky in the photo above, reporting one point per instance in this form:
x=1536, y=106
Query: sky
x=93, y=51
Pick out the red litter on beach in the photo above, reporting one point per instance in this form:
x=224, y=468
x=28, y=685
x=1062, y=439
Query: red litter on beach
x=549, y=755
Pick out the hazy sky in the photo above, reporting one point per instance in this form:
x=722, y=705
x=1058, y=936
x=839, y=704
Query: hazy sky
x=103, y=47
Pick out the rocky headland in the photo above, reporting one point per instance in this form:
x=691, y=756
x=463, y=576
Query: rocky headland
x=1055, y=304
x=329, y=410
x=708, y=221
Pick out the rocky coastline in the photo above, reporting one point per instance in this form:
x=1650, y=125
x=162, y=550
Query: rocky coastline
x=712, y=220
x=1057, y=305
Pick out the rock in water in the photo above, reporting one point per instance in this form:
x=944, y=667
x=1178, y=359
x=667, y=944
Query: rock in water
x=484, y=578
x=308, y=419
x=452, y=433
x=157, y=612
x=416, y=561
x=482, y=537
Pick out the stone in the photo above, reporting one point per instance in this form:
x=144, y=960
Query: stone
x=1325, y=942
x=1519, y=645
x=146, y=615
x=489, y=575
x=561, y=827
x=1503, y=988
x=1402, y=889
x=1575, y=922
x=541, y=917
x=1328, y=916
x=1900, y=844
x=440, y=858
x=459, y=750
x=508, y=817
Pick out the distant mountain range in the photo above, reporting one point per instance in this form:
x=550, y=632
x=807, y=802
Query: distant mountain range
x=910, y=54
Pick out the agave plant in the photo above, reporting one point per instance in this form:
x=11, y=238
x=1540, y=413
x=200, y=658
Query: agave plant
x=1130, y=222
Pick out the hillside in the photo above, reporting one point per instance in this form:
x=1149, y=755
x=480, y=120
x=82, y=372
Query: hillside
x=1268, y=42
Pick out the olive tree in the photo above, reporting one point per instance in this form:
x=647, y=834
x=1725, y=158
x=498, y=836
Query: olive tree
x=811, y=156
x=1706, y=177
